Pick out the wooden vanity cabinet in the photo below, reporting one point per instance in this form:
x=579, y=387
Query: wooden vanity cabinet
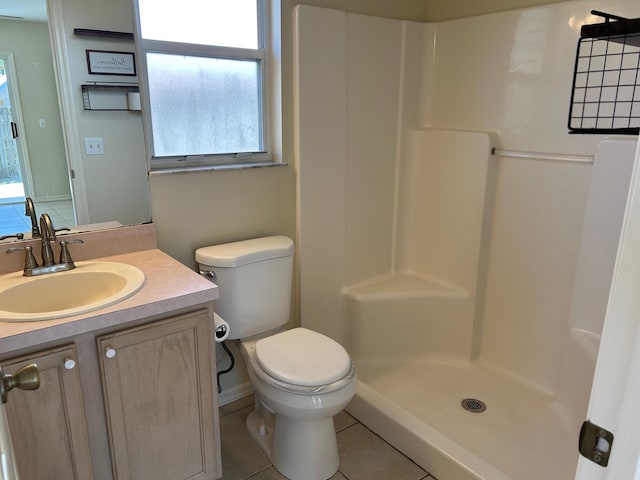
x=47, y=425
x=157, y=386
x=159, y=406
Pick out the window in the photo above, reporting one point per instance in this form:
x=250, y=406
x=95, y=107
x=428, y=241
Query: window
x=204, y=64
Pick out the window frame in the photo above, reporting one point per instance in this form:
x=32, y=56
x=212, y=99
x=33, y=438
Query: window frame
x=261, y=55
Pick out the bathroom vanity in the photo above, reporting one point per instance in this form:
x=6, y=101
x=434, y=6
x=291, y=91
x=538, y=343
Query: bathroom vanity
x=127, y=391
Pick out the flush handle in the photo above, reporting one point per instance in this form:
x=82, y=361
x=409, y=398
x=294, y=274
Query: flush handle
x=595, y=443
x=210, y=274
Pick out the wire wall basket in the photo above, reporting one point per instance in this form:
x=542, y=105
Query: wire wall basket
x=605, y=96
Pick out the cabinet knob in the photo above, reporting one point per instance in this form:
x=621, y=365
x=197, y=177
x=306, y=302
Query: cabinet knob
x=25, y=378
x=69, y=363
x=109, y=352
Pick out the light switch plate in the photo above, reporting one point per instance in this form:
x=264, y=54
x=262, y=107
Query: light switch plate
x=93, y=146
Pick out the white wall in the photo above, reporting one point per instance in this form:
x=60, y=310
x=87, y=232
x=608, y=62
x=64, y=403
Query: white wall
x=116, y=182
x=347, y=118
x=440, y=10
x=508, y=73
x=511, y=73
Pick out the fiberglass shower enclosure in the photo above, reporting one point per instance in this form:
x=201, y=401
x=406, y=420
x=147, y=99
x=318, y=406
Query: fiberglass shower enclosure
x=447, y=272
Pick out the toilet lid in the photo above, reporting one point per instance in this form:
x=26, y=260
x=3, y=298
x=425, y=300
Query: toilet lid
x=302, y=357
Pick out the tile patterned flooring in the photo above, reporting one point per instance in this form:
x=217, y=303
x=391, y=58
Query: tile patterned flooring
x=13, y=219
x=363, y=455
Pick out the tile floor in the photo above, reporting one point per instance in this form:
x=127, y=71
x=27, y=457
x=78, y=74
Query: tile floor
x=363, y=455
x=13, y=219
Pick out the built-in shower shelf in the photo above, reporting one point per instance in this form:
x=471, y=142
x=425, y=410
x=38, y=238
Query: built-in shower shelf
x=402, y=285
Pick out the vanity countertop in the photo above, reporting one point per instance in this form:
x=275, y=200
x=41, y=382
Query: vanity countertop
x=170, y=287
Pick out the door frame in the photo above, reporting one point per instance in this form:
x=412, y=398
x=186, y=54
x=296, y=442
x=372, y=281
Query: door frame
x=68, y=116
x=16, y=113
x=615, y=395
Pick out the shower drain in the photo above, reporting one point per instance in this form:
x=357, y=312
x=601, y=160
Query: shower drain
x=473, y=405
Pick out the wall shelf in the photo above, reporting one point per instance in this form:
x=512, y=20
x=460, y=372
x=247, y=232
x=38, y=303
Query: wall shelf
x=620, y=30
x=89, y=32
x=108, y=96
x=606, y=78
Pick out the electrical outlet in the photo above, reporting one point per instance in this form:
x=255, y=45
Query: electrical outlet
x=93, y=146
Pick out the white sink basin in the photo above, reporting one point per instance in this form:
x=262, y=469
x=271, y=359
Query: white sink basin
x=88, y=287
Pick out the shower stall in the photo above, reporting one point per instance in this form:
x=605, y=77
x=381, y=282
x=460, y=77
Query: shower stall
x=469, y=286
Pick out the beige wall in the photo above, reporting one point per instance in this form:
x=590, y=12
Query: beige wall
x=29, y=42
x=440, y=10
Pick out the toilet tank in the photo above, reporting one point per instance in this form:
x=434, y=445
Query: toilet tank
x=254, y=282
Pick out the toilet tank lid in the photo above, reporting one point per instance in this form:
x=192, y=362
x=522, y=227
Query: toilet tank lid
x=244, y=252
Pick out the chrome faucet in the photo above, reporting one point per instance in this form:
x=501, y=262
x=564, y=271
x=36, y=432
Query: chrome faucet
x=31, y=268
x=30, y=211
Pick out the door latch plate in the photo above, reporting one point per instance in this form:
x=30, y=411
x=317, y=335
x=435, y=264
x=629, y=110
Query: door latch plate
x=595, y=443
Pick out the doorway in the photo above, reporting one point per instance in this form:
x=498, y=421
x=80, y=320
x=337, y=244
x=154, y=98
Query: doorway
x=15, y=175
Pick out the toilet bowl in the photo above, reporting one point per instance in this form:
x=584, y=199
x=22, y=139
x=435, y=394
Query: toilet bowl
x=293, y=418
x=301, y=378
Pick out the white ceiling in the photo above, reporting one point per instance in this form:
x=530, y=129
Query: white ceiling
x=32, y=10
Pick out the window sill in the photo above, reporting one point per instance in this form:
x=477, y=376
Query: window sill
x=214, y=168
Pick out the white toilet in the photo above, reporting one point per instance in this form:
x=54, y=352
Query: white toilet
x=301, y=378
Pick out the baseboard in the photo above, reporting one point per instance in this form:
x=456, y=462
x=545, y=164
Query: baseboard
x=52, y=198
x=232, y=394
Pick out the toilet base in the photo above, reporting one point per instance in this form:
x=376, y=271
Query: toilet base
x=298, y=449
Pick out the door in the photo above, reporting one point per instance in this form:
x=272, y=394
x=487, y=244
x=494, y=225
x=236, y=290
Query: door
x=615, y=395
x=157, y=385
x=15, y=173
x=47, y=425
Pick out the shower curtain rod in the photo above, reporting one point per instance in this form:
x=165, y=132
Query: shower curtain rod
x=559, y=157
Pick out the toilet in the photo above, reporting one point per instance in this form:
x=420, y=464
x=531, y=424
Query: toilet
x=301, y=378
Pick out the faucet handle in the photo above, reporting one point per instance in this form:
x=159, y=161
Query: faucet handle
x=19, y=236
x=65, y=256
x=29, y=260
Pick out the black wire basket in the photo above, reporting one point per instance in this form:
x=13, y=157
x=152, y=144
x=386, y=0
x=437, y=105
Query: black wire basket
x=605, y=96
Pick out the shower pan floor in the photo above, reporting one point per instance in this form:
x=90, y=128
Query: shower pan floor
x=523, y=432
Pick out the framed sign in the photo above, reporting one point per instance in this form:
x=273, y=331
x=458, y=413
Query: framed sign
x=101, y=62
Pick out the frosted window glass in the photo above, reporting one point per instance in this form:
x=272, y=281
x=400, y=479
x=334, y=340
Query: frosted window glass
x=204, y=105
x=226, y=23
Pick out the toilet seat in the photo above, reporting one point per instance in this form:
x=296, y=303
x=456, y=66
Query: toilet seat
x=302, y=357
x=250, y=349
x=299, y=389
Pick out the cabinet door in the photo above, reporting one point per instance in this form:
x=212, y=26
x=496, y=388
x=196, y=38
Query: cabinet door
x=159, y=400
x=47, y=425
